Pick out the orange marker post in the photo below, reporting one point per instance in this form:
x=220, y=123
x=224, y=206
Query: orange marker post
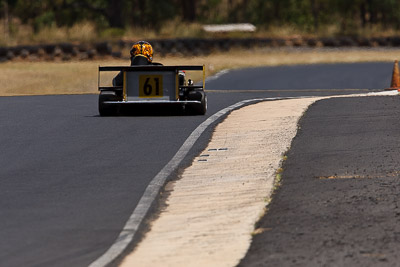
x=395, y=84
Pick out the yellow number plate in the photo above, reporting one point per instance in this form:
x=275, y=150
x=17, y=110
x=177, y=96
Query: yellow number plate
x=150, y=86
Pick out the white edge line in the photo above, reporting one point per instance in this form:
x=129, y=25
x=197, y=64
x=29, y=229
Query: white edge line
x=217, y=75
x=150, y=194
x=132, y=225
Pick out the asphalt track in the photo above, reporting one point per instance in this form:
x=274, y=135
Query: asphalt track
x=338, y=204
x=70, y=179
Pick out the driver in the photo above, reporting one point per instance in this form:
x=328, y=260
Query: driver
x=141, y=55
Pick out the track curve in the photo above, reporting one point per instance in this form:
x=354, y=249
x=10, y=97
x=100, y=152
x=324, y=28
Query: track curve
x=70, y=179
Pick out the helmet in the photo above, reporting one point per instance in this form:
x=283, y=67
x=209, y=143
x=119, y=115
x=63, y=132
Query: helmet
x=142, y=48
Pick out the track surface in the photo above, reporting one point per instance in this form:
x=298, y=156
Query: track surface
x=70, y=179
x=339, y=200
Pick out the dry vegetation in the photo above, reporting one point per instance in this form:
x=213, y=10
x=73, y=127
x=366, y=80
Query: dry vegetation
x=87, y=31
x=80, y=77
x=24, y=34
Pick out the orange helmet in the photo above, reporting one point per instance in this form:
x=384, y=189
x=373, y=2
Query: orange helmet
x=142, y=48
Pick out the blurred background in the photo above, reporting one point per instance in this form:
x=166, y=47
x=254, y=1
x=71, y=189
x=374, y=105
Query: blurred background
x=38, y=21
x=57, y=45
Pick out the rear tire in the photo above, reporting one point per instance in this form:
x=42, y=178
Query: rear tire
x=197, y=108
x=107, y=109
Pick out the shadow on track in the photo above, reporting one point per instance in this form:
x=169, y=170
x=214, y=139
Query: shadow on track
x=159, y=110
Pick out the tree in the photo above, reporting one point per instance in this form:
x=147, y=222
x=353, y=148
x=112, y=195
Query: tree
x=114, y=13
x=189, y=10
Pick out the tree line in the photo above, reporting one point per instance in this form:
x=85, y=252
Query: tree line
x=305, y=15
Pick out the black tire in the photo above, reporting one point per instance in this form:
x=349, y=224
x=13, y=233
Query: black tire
x=197, y=108
x=106, y=109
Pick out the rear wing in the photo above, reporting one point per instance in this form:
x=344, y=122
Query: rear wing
x=150, y=68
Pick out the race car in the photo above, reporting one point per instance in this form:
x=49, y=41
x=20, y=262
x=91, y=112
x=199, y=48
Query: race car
x=153, y=86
